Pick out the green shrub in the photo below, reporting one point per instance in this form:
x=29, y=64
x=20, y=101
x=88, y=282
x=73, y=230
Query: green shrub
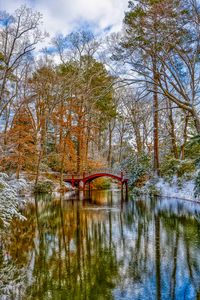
x=197, y=186
x=138, y=168
x=181, y=168
x=186, y=167
x=1, y=186
x=192, y=149
x=3, y=183
x=44, y=167
x=169, y=167
x=44, y=187
x=197, y=162
x=54, y=162
x=153, y=190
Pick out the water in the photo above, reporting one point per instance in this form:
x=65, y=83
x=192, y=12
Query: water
x=102, y=248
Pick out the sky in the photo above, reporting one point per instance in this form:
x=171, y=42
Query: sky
x=64, y=16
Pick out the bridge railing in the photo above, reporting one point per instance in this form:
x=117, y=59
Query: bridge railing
x=102, y=170
x=115, y=172
x=111, y=171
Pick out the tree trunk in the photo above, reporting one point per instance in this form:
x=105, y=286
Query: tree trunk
x=109, y=145
x=78, y=166
x=196, y=120
x=120, y=149
x=40, y=155
x=38, y=167
x=184, y=137
x=43, y=134
x=172, y=131
x=3, y=85
x=136, y=128
x=6, y=125
x=138, y=138
x=87, y=144
x=99, y=141
x=155, y=121
x=63, y=161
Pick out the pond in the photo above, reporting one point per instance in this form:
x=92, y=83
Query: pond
x=100, y=247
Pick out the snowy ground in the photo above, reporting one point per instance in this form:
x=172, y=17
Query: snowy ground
x=173, y=190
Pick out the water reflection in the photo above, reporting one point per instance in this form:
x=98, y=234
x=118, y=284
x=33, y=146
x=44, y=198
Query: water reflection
x=102, y=248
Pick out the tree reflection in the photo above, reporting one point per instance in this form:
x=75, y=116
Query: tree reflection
x=74, y=250
x=74, y=258
x=157, y=257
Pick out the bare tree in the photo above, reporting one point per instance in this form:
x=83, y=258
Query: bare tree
x=19, y=35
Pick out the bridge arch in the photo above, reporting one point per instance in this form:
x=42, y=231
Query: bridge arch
x=81, y=181
x=99, y=175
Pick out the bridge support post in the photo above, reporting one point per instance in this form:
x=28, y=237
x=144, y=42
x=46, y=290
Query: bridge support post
x=122, y=185
x=126, y=184
x=122, y=193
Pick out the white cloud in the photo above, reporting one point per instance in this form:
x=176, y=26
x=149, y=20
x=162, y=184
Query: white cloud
x=62, y=16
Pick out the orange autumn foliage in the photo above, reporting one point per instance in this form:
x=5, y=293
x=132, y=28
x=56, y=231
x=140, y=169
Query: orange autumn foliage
x=20, y=149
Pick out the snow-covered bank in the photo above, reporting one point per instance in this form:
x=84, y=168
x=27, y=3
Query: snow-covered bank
x=16, y=193
x=10, y=198
x=173, y=189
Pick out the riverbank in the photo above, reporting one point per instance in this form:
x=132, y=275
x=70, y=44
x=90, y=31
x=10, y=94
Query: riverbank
x=175, y=188
x=12, y=195
x=15, y=193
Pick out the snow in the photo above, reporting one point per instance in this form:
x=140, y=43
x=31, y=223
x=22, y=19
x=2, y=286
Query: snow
x=9, y=198
x=3, y=184
x=11, y=278
x=172, y=189
x=19, y=185
x=69, y=186
x=4, y=176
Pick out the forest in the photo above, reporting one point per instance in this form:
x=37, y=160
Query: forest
x=127, y=100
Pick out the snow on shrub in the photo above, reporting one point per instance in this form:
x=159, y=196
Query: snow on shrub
x=8, y=206
x=18, y=185
x=138, y=168
x=44, y=187
x=4, y=176
x=11, y=279
x=3, y=184
x=9, y=201
x=173, y=189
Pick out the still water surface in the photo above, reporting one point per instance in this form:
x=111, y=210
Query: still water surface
x=103, y=248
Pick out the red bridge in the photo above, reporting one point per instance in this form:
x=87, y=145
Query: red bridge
x=80, y=181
